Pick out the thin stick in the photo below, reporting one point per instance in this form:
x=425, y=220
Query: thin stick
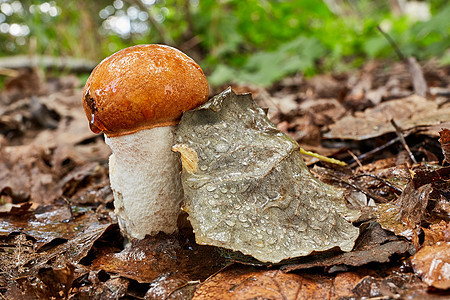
x=355, y=158
x=418, y=79
x=367, y=193
x=384, y=181
x=373, y=151
x=393, y=43
x=403, y=141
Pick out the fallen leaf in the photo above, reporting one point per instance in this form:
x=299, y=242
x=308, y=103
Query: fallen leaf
x=408, y=113
x=432, y=264
x=445, y=143
x=373, y=245
x=171, y=286
x=47, y=224
x=325, y=86
x=145, y=260
x=408, y=211
x=393, y=286
x=70, y=252
x=436, y=233
x=252, y=191
x=413, y=203
x=58, y=281
x=248, y=283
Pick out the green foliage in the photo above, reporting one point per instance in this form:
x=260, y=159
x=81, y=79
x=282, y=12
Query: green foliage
x=262, y=41
x=254, y=41
x=265, y=67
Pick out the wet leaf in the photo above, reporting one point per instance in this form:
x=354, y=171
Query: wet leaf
x=403, y=216
x=252, y=192
x=114, y=288
x=432, y=264
x=445, y=143
x=393, y=286
x=249, y=283
x=437, y=233
x=145, y=260
x=47, y=224
x=373, y=245
x=72, y=240
x=58, y=280
x=171, y=286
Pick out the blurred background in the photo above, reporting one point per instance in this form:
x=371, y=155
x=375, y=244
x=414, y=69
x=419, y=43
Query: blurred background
x=235, y=41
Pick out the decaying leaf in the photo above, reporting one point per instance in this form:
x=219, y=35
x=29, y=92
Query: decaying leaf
x=252, y=191
x=445, y=143
x=47, y=224
x=403, y=216
x=373, y=245
x=397, y=285
x=436, y=233
x=407, y=112
x=432, y=264
x=247, y=283
x=169, y=255
x=188, y=157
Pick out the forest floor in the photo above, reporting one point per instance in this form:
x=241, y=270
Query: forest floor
x=59, y=238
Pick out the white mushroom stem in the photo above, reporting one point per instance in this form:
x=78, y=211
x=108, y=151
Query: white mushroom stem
x=145, y=179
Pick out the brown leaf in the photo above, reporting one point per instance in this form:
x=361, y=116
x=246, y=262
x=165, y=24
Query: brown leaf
x=408, y=113
x=71, y=251
x=171, y=286
x=114, y=288
x=445, y=143
x=436, y=233
x=325, y=86
x=397, y=285
x=245, y=283
x=23, y=170
x=403, y=216
x=46, y=224
x=240, y=282
x=373, y=245
x=413, y=203
x=442, y=208
x=432, y=264
x=14, y=209
x=57, y=280
x=145, y=260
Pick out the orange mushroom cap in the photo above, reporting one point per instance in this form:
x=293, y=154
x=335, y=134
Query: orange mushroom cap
x=142, y=87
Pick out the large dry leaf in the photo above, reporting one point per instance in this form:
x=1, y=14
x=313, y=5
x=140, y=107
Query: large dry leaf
x=247, y=188
x=408, y=113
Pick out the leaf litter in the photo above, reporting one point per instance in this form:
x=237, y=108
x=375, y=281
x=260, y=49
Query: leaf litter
x=59, y=238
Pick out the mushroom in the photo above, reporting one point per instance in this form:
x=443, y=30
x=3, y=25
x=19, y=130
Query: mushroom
x=136, y=98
